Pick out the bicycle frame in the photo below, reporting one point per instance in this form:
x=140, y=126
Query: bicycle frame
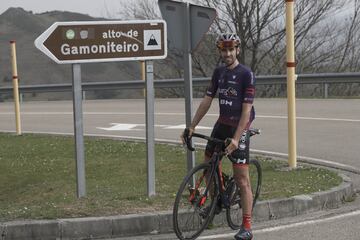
x=215, y=162
x=216, y=168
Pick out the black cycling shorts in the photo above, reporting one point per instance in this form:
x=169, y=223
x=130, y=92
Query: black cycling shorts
x=222, y=131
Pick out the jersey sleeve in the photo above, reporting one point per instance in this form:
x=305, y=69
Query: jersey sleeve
x=212, y=88
x=249, y=87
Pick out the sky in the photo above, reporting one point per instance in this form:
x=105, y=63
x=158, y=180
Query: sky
x=94, y=8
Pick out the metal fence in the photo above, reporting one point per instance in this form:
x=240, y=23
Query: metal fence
x=323, y=79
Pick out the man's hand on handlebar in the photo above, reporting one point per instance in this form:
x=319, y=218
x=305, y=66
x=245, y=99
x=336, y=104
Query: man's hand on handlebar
x=186, y=134
x=231, y=145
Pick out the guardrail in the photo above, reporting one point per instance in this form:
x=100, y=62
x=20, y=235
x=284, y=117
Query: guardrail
x=323, y=78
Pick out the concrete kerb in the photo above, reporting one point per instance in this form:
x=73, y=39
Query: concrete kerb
x=155, y=223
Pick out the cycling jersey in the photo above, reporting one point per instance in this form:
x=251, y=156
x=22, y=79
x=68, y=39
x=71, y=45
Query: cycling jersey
x=235, y=87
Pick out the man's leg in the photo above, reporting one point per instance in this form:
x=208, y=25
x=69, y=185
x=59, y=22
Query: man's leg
x=242, y=178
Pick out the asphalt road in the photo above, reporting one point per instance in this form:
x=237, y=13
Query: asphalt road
x=326, y=130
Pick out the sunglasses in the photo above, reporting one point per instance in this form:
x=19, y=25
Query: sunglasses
x=227, y=44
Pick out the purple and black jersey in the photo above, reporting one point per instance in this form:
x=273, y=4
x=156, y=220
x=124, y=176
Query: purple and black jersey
x=235, y=87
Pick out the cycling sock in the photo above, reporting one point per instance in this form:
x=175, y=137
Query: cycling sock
x=246, y=221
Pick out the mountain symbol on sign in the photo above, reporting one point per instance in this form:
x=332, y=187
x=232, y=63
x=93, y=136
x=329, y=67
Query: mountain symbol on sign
x=152, y=41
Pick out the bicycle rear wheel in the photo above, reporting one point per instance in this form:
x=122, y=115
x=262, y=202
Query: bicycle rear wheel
x=195, y=202
x=234, y=212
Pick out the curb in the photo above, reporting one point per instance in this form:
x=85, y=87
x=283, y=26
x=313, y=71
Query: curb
x=155, y=223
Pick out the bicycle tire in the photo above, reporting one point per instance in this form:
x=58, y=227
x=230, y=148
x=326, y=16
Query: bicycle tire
x=189, y=217
x=233, y=212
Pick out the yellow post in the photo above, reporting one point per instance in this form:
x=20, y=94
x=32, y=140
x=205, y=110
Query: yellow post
x=16, y=87
x=291, y=78
x=143, y=72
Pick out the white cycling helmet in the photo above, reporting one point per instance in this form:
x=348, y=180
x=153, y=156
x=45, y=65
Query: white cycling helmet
x=227, y=40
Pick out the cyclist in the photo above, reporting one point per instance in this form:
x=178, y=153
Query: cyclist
x=234, y=83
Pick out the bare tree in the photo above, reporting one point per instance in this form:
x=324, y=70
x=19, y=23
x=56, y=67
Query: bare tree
x=139, y=9
x=261, y=27
x=349, y=59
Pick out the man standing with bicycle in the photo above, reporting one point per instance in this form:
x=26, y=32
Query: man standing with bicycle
x=234, y=83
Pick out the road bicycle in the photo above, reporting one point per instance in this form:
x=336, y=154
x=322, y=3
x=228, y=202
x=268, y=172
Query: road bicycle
x=206, y=190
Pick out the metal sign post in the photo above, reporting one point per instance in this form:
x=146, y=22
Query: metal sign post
x=106, y=41
x=188, y=91
x=193, y=21
x=78, y=131
x=150, y=136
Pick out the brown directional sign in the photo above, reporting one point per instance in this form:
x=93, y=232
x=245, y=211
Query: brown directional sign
x=104, y=41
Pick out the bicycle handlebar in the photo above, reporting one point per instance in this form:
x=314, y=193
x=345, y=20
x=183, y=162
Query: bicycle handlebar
x=187, y=138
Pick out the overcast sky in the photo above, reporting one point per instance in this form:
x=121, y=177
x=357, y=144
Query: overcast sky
x=95, y=8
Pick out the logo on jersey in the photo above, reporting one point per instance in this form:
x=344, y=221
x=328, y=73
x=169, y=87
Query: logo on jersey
x=243, y=161
x=231, y=92
x=225, y=102
x=228, y=92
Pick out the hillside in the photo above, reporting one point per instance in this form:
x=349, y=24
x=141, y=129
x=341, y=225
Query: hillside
x=36, y=68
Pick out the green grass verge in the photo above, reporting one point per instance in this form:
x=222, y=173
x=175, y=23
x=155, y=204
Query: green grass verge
x=38, y=179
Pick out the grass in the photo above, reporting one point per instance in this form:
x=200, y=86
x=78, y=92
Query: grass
x=38, y=179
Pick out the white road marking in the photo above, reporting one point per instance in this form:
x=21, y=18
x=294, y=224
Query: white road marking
x=311, y=118
x=287, y=226
x=182, y=114
x=133, y=127
x=121, y=127
x=183, y=126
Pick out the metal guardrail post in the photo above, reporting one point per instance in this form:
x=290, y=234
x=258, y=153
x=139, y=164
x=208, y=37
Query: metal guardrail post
x=326, y=90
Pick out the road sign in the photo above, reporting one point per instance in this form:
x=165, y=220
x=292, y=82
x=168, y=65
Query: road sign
x=175, y=14
x=200, y=20
x=104, y=41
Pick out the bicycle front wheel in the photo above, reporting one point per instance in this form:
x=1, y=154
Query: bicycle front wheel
x=195, y=202
x=234, y=212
